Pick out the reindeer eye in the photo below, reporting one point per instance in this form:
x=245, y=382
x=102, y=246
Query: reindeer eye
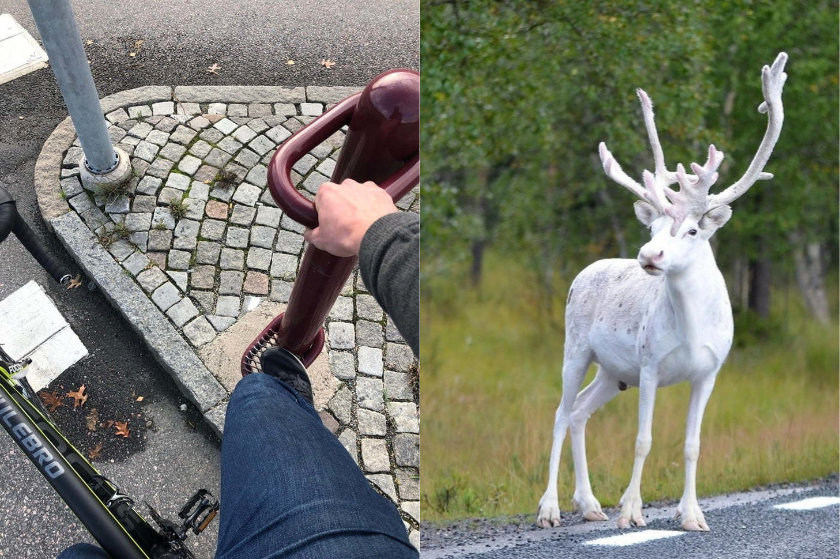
x=692, y=232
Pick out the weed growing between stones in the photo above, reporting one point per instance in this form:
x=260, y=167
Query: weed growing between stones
x=178, y=208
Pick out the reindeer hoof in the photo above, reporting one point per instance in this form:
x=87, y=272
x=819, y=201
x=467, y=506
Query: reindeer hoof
x=548, y=515
x=595, y=515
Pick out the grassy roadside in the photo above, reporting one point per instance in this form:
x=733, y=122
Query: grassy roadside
x=491, y=375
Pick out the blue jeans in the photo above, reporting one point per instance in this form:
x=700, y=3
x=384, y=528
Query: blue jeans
x=289, y=489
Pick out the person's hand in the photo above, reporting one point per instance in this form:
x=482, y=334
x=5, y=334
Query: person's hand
x=345, y=212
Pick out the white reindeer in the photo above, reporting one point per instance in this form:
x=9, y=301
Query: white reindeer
x=658, y=320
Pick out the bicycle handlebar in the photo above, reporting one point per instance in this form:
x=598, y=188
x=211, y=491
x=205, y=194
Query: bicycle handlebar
x=11, y=221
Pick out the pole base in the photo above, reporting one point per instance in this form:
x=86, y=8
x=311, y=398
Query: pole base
x=251, y=358
x=108, y=182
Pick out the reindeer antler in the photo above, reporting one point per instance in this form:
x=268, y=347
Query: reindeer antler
x=772, y=82
x=693, y=198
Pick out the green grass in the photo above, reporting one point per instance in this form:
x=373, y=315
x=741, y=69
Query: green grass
x=491, y=373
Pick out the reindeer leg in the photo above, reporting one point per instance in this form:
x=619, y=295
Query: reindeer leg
x=631, y=501
x=574, y=370
x=599, y=392
x=689, y=510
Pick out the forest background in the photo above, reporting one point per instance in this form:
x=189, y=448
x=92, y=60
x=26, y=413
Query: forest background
x=515, y=97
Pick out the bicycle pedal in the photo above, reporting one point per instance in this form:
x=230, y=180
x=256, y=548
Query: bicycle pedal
x=199, y=511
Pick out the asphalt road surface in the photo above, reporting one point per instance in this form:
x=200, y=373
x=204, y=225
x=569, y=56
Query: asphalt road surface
x=743, y=526
x=170, y=453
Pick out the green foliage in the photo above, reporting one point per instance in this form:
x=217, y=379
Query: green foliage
x=516, y=97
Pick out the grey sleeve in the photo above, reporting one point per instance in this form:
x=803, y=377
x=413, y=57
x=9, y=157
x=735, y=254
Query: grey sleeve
x=389, y=260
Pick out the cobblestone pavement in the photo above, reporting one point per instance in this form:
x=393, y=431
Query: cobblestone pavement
x=198, y=232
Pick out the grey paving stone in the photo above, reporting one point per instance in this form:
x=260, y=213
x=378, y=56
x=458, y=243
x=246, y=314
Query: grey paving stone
x=183, y=135
x=136, y=263
x=160, y=240
x=182, y=312
x=371, y=423
x=211, y=135
x=202, y=277
x=262, y=145
x=140, y=130
x=268, y=216
x=408, y=483
x=341, y=406
x=227, y=306
x=220, y=323
x=259, y=259
x=165, y=296
x=187, y=228
x=195, y=208
x=178, y=260
x=305, y=164
x=137, y=221
x=170, y=195
x=311, y=109
x=398, y=386
x=163, y=218
x=280, y=291
x=259, y=109
x=369, y=393
x=237, y=170
x=230, y=282
x=285, y=109
x=163, y=108
x=391, y=332
x=199, y=331
x=200, y=148
x=198, y=123
x=207, y=252
x=258, y=175
x=150, y=279
x=398, y=357
x=157, y=137
x=167, y=124
x=146, y=150
x=180, y=279
x=217, y=157
x=370, y=361
x=342, y=309
x=121, y=250
x=188, y=109
x=313, y=182
x=289, y=224
x=139, y=111
x=160, y=168
x=343, y=365
x=326, y=167
x=71, y=186
x=277, y=134
x=404, y=416
x=232, y=259
x=342, y=335
x=247, y=194
x=268, y=199
x=116, y=134
x=225, y=126
x=199, y=190
x=259, y=125
x=244, y=134
x=375, y=455
x=284, y=266
x=250, y=302
x=223, y=193
x=407, y=450
x=229, y=145
x=118, y=205
x=217, y=109
x=404, y=203
x=347, y=438
x=288, y=242
x=368, y=308
x=369, y=334
x=178, y=181
x=206, y=300
x=213, y=229
x=143, y=203
x=262, y=236
x=189, y=164
x=247, y=158
x=237, y=109
x=237, y=237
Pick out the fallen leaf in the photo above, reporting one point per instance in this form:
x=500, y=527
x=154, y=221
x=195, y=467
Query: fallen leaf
x=327, y=63
x=21, y=117
x=214, y=69
x=91, y=419
x=122, y=428
x=75, y=282
x=138, y=44
x=52, y=400
x=139, y=399
x=290, y=62
x=78, y=396
x=108, y=424
x=94, y=452
x=132, y=54
x=89, y=42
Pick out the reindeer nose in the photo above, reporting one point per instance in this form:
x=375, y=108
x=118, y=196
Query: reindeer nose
x=649, y=254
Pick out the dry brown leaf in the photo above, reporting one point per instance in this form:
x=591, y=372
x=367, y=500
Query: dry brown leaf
x=132, y=54
x=122, y=428
x=214, y=69
x=139, y=399
x=94, y=452
x=78, y=396
x=137, y=44
x=52, y=400
x=91, y=419
x=327, y=63
x=75, y=282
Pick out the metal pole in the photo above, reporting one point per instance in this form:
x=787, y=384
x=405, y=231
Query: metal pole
x=57, y=26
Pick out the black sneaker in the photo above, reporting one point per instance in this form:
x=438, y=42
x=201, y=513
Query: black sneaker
x=286, y=366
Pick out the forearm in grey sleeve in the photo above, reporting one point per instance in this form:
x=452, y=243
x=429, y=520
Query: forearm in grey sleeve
x=389, y=260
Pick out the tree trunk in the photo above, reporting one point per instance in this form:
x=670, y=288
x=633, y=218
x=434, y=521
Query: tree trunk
x=759, y=297
x=477, y=250
x=810, y=277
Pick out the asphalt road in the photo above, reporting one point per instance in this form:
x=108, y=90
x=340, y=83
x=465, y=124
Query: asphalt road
x=743, y=526
x=170, y=453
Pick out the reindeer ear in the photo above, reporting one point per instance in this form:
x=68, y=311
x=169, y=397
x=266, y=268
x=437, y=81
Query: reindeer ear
x=714, y=219
x=645, y=213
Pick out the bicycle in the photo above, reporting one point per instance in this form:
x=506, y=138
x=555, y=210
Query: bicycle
x=106, y=512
